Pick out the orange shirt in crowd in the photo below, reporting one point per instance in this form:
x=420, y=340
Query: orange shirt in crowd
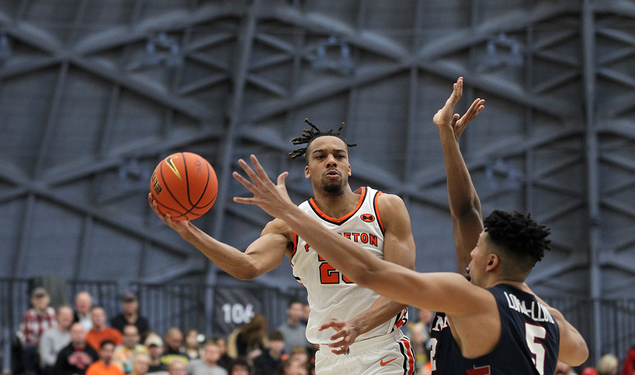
x=98, y=368
x=94, y=338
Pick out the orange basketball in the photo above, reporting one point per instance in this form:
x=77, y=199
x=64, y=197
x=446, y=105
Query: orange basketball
x=184, y=186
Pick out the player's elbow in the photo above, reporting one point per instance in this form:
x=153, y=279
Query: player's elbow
x=365, y=277
x=577, y=355
x=582, y=354
x=247, y=272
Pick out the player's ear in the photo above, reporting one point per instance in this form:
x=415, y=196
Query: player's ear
x=349, y=170
x=307, y=172
x=493, y=261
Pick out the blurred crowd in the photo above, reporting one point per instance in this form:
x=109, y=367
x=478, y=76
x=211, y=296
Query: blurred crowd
x=80, y=340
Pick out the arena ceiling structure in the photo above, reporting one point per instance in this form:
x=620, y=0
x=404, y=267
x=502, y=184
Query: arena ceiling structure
x=93, y=94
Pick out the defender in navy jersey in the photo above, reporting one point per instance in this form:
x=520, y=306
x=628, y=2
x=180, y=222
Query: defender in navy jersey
x=509, y=245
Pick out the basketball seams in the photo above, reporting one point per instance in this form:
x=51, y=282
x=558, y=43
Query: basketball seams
x=191, y=182
x=167, y=188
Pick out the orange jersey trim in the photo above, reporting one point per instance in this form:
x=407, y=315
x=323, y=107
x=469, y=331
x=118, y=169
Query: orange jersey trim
x=376, y=206
x=345, y=217
x=295, y=247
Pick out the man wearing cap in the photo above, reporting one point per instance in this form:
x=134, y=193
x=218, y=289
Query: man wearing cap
x=130, y=315
x=35, y=322
x=154, y=343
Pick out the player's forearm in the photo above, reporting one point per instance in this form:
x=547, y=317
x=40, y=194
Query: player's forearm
x=381, y=311
x=461, y=192
x=229, y=259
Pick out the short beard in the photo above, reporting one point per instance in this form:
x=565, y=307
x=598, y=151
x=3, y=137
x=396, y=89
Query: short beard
x=333, y=188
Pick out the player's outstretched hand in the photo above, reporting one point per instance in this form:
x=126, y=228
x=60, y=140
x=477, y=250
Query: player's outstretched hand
x=346, y=334
x=180, y=226
x=445, y=117
x=273, y=199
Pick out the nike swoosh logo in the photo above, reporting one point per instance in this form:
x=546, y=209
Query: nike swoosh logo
x=170, y=164
x=382, y=363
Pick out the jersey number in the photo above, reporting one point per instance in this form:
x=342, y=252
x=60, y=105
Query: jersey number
x=329, y=275
x=532, y=333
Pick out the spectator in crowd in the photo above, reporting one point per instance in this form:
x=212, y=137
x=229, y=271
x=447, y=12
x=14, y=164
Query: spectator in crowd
x=83, y=306
x=55, y=339
x=293, y=330
x=125, y=352
x=629, y=362
x=239, y=366
x=300, y=355
x=191, y=345
x=418, y=338
x=35, y=322
x=75, y=358
x=225, y=360
x=105, y=365
x=564, y=369
x=154, y=344
x=140, y=364
x=173, y=349
x=252, y=338
x=607, y=365
x=130, y=315
x=208, y=364
x=177, y=366
x=100, y=331
x=291, y=367
x=268, y=362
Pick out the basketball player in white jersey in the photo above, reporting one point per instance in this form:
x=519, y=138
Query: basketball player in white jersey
x=357, y=330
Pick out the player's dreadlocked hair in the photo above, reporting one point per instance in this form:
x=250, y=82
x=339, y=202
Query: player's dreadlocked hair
x=309, y=135
x=519, y=236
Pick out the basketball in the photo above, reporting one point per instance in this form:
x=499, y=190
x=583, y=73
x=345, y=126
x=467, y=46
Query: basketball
x=184, y=185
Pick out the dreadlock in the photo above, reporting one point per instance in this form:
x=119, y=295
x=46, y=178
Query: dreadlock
x=519, y=236
x=309, y=135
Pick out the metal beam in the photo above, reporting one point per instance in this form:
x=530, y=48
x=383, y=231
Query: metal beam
x=240, y=74
x=320, y=90
x=44, y=192
x=592, y=153
x=510, y=22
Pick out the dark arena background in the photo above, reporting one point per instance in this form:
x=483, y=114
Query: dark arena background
x=93, y=94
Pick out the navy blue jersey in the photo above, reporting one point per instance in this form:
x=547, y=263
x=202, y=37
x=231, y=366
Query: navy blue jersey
x=445, y=355
x=529, y=341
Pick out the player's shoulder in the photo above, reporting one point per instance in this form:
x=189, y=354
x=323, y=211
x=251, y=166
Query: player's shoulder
x=390, y=204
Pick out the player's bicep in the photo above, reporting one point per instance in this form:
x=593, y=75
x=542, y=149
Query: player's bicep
x=399, y=244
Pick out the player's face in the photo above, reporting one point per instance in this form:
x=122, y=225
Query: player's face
x=328, y=166
x=476, y=268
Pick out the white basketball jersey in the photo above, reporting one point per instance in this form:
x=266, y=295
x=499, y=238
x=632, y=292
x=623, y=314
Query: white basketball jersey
x=330, y=293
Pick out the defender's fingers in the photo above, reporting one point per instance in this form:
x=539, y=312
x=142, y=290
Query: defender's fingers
x=246, y=183
x=259, y=169
x=250, y=172
x=282, y=177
